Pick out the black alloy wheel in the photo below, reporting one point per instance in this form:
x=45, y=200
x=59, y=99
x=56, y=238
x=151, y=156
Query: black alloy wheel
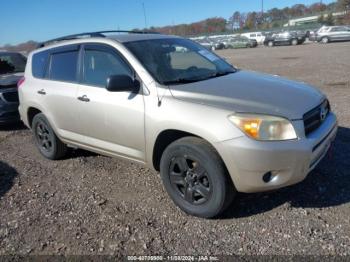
x=49, y=145
x=190, y=179
x=196, y=178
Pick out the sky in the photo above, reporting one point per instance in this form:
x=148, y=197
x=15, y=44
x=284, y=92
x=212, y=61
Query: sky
x=23, y=20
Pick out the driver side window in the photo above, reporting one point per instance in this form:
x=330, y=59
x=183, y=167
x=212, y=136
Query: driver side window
x=100, y=63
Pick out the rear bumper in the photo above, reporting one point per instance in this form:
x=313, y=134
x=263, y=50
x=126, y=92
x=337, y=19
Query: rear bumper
x=288, y=162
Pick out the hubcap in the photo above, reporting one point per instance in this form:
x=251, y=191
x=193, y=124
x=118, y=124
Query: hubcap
x=190, y=180
x=44, y=137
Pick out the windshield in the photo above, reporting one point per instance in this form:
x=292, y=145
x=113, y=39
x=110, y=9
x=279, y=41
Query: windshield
x=12, y=63
x=176, y=60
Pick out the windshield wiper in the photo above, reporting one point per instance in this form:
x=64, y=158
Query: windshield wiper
x=222, y=73
x=181, y=81
x=192, y=80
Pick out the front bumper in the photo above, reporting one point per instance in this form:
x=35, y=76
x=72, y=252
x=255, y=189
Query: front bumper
x=288, y=162
x=8, y=111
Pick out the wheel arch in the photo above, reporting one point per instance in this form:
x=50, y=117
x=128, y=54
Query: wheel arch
x=31, y=113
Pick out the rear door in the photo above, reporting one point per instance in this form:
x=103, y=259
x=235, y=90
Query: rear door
x=337, y=33
x=110, y=121
x=59, y=89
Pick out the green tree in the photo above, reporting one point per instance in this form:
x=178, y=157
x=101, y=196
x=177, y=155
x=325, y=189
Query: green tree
x=330, y=19
x=321, y=19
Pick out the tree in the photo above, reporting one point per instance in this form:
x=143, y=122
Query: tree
x=330, y=19
x=320, y=19
x=251, y=20
x=343, y=5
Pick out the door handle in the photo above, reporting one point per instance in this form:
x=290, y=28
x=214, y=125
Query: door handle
x=42, y=92
x=83, y=98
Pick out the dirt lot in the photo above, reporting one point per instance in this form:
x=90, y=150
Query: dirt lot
x=91, y=204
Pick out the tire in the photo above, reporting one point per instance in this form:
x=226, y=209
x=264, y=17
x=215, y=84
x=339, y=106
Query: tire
x=325, y=40
x=294, y=42
x=270, y=44
x=196, y=178
x=46, y=140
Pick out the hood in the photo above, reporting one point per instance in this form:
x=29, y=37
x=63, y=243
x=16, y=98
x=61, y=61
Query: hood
x=252, y=92
x=7, y=80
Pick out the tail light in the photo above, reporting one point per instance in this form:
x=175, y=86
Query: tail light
x=20, y=82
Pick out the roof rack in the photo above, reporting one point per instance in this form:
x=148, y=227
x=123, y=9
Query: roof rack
x=90, y=34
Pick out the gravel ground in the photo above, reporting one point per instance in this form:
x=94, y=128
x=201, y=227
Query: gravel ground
x=91, y=204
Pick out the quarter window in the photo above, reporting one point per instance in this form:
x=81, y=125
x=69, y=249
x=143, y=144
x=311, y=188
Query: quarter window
x=39, y=64
x=101, y=64
x=64, y=66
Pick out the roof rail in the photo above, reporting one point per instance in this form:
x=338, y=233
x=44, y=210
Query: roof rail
x=90, y=34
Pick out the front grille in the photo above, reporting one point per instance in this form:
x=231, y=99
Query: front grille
x=11, y=96
x=314, y=118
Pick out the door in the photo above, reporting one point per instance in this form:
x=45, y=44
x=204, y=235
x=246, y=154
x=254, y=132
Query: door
x=338, y=33
x=109, y=121
x=347, y=33
x=59, y=89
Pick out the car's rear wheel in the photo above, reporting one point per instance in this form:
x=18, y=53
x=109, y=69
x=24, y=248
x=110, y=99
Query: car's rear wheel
x=294, y=42
x=46, y=140
x=270, y=44
x=325, y=40
x=196, y=178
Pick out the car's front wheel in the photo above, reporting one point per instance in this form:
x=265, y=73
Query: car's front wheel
x=325, y=40
x=270, y=44
x=294, y=42
x=49, y=145
x=196, y=178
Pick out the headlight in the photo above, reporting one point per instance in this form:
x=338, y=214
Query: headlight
x=263, y=127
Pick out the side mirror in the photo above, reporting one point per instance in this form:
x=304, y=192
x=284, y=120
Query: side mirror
x=120, y=83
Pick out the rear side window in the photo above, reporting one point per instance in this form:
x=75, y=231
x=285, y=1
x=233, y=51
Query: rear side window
x=63, y=66
x=39, y=63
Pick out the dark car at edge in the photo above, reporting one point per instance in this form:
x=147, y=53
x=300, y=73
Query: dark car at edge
x=12, y=67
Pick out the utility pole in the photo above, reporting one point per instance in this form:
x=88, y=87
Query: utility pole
x=262, y=11
x=144, y=14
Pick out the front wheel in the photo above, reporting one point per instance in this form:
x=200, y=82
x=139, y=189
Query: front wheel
x=294, y=42
x=46, y=140
x=325, y=40
x=196, y=178
x=270, y=44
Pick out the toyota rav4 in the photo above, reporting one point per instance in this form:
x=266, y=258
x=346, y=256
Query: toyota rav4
x=210, y=129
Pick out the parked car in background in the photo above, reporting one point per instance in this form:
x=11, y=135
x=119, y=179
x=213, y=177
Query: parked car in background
x=205, y=43
x=258, y=36
x=301, y=36
x=241, y=42
x=211, y=44
x=12, y=67
x=210, y=129
x=312, y=36
x=333, y=33
x=283, y=38
x=218, y=45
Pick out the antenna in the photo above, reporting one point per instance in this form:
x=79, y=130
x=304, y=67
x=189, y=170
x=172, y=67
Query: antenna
x=144, y=14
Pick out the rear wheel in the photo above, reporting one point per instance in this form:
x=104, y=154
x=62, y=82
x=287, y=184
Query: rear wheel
x=196, y=178
x=294, y=42
x=46, y=140
x=270, y=44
